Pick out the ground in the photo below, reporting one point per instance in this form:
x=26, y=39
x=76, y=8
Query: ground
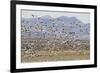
x=61, y=55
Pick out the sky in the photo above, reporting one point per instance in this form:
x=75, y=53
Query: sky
x=84, y=17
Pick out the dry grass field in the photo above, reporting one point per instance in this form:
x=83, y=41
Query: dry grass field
x=40, y=50
x=61, y=55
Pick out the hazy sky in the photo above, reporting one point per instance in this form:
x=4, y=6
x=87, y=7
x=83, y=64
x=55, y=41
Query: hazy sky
x=84, y=17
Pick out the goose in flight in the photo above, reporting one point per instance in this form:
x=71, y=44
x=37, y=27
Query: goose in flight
x=32, y=15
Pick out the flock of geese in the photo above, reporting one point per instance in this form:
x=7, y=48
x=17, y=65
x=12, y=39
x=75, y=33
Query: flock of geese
x=50, y=29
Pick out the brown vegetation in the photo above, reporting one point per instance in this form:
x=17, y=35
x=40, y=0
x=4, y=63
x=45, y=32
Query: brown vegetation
x=34, y=50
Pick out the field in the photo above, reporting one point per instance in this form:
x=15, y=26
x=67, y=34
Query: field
x=54, y=56
x=39, y=50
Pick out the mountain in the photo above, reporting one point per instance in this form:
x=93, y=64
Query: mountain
x=49, y=27
x=46, y=17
